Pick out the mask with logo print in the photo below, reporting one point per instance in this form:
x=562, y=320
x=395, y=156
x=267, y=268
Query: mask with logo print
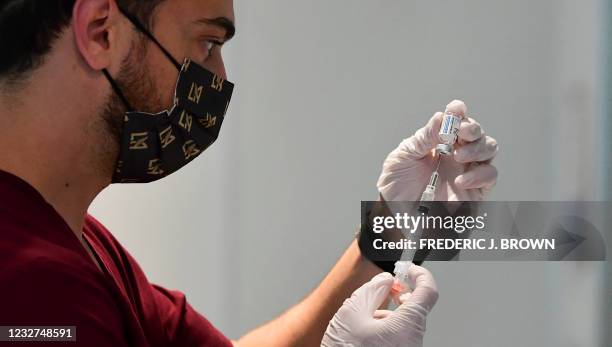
x=153, y=146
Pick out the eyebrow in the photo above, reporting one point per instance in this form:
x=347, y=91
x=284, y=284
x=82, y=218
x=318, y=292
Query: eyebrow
x=221, y=22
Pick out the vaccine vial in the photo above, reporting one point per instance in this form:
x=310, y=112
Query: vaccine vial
x=400, y=281
x=448, y=133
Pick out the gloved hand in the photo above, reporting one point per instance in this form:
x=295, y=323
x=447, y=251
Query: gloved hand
x=358, y=323
x=467, y=176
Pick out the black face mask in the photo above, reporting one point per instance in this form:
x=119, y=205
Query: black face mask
x=156, y=145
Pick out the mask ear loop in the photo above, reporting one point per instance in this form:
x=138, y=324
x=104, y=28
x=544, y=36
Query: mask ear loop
x=117, y=90
x=135, y=22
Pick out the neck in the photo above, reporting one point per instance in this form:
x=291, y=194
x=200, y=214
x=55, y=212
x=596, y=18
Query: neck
x=70, y=196
x=56, y=166
x=57, y=144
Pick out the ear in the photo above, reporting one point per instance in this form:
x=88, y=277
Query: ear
x=94, y=22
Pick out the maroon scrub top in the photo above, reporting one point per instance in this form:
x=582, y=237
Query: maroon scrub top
x=48, y=279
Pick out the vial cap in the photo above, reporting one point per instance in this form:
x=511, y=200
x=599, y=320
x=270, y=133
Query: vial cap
x=444, y=148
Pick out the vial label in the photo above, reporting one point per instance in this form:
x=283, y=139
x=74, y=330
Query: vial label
x=450, y=128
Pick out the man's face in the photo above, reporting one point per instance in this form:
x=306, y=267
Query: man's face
x=186, y=29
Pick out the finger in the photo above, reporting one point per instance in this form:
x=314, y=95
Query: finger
x=424, y=140
x=409, y=318
x=425, y=292
x=457, y=107
x=469, y=130
x=385, y=304
x=382, y=314
x=371, y=295
x=483, y=149
x=482, y=176
x=405, y=297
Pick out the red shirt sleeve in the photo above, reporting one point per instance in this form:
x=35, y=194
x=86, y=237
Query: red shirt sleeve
x=184, y=325
x=47, y=278
x=160, y=311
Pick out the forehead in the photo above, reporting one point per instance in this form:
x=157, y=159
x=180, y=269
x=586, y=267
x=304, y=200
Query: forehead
x=188, y=10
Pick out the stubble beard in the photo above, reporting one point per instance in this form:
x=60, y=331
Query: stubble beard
x=137, y=85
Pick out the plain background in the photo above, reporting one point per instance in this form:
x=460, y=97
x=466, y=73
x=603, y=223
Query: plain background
x=325, y=89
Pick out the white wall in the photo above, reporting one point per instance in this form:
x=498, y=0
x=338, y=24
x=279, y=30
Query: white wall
x=325, y=89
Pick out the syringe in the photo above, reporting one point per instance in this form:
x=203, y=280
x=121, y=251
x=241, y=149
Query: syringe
x=400, y=281
x=449, y=130
x=430, y=190
x=427, y=196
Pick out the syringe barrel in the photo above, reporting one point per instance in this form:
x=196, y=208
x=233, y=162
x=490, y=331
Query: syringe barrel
x=433, y=180
x=430, y=190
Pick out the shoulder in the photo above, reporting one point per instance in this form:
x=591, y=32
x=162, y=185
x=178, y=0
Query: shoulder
x=94, y=227
x=100, y=236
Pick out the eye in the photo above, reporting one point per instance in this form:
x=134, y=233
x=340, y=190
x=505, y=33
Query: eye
x=209, y=46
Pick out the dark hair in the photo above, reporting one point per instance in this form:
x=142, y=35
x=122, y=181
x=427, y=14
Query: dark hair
x=28, y=29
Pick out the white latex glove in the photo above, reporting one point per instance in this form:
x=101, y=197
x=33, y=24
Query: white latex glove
x=466, y=176
x=358, y=323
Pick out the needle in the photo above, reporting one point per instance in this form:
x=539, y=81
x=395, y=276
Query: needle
x=439, y=161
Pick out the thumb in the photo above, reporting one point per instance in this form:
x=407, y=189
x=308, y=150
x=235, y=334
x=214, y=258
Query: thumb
x=424, y=140
x=372, y=294
x=411, y=315
x=425, y=290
